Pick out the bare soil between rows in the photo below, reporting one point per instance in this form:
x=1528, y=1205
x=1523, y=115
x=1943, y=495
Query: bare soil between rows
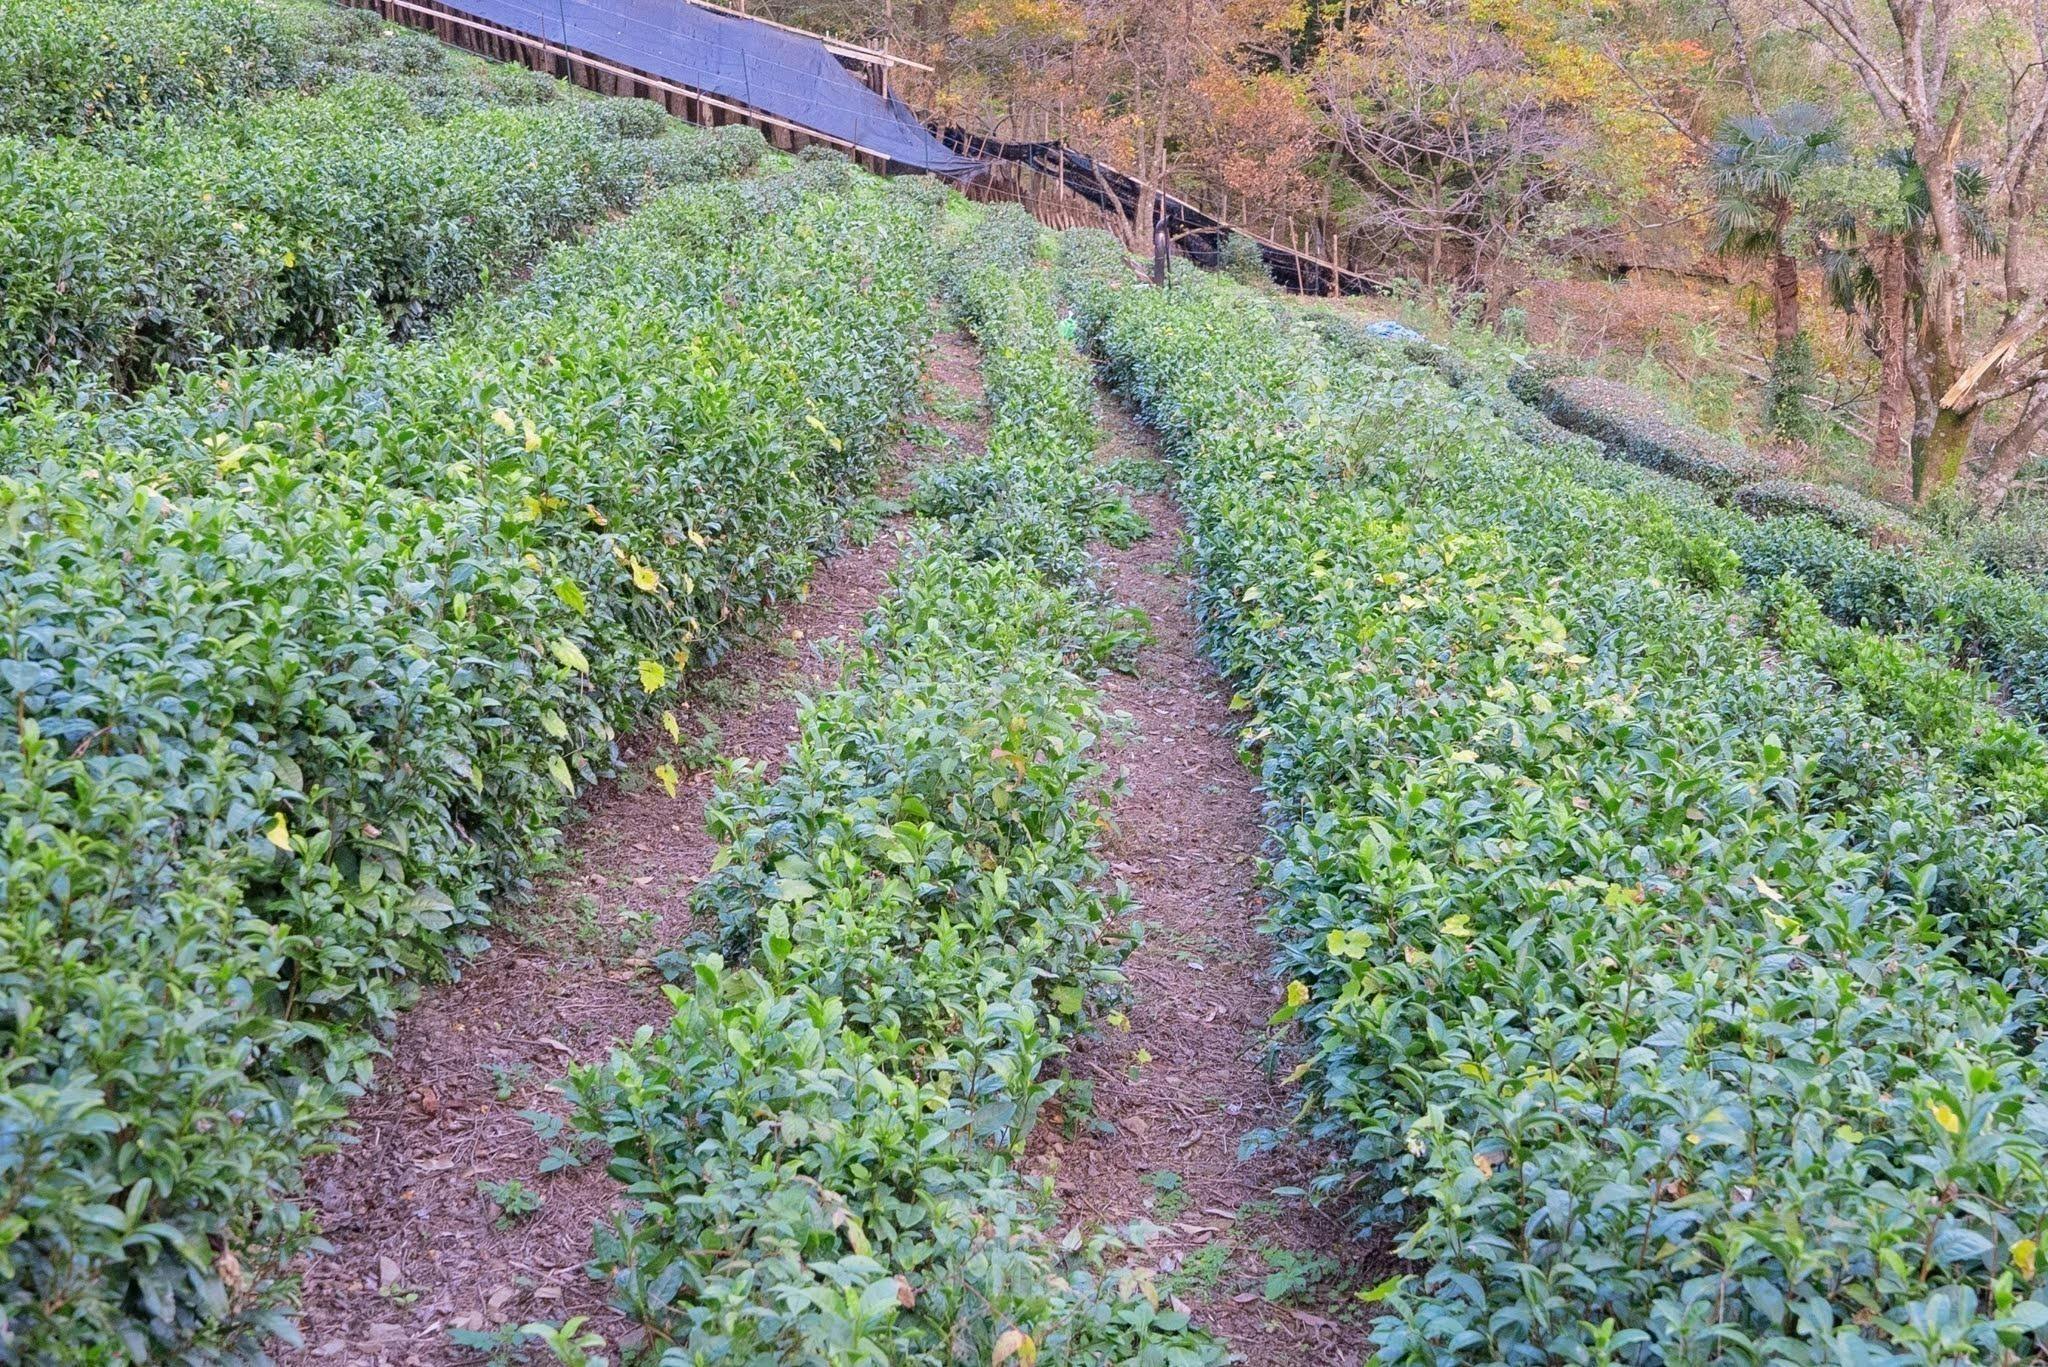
x=1175, y=1095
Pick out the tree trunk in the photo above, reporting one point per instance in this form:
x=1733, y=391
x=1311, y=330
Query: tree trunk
x=1139, y=237
x=1938, y=459
x=1784, y=283
x=2012, y=451
x=1785, y=298
x=1893, y=398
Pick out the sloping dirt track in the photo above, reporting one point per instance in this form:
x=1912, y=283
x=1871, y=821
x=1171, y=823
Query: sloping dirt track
x=1172, y=1098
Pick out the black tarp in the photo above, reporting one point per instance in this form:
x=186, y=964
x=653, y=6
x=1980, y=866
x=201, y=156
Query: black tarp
x=1197, y=235
x=789, y=75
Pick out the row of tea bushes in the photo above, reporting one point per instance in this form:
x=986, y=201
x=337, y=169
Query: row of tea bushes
x=1626, y=937
x=295, y=220
x=913, y=920
x=1985, y=790
x=1035, y=493
x=1857, y=565
x=69, y=67
x=1913, y=680
x=306, y=661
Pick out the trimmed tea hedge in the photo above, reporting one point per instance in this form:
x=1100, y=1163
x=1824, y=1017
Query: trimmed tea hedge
x=1638, y=429
x=913, y=918
x=75, y=65
x=1876, y=523
x=1040, y=454
x=295, y=220
x=1866, y=576
x=307, y=659
x=1627, y=942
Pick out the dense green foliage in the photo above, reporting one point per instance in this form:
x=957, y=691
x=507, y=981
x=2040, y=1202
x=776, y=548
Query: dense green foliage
x=1630, y=908
x=307, y=658
x=1844, y=509
x=1864, y=565
x=1035, y=492
x=290, y=221
x=913, y=918
x=74, y=65
x=1638, y=429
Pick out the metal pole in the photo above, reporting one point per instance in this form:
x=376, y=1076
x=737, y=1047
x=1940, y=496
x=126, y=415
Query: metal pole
x=1161, y=243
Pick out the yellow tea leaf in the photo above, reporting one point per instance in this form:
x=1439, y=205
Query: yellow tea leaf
x=1013, y=1343
x=279, y=833
x=652, y=675
x=570, y=654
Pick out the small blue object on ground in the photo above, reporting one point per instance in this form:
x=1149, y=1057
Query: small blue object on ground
x=1388, y=331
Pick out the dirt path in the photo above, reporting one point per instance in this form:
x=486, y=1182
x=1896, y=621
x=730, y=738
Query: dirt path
x=419, y=1247
x=1174, y=1095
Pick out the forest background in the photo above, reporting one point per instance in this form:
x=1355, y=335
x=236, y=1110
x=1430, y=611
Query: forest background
x=1814, y=224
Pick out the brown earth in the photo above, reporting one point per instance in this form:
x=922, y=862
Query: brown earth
x=1198, y=1068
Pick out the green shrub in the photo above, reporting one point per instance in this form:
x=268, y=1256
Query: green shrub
x=1035, y=493
x=291, y=222
x=1867, y=566
x=2014, y=543
x=1638, y=428
x=1353, y=339
x=75, y=65
x=1878, y=523
x=1635, y=948
x=1788, y=396
x=1243, y=260
x=623, y=118
x=308, y=658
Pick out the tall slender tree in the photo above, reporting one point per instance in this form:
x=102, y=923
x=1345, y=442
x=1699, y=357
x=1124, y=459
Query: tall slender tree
x=1756, y=162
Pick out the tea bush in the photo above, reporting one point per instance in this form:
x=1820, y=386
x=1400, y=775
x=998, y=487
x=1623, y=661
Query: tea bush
x=1630, y=934
x=1035, y=493
x=1638, y=428
x=1871, y=520
x=1865, y=569
x=913, y=919
x=295, y=220
x=307, y=658
x=75, y=65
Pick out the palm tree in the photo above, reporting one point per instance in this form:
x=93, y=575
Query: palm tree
x=1757, y=161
